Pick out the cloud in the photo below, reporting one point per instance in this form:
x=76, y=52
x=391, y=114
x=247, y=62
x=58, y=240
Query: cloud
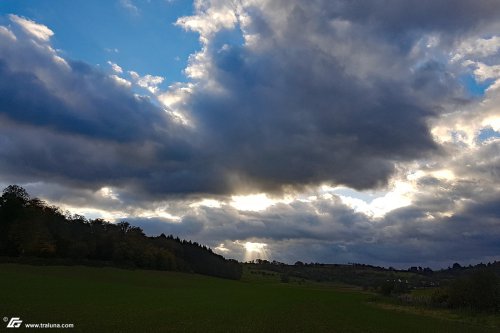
x=39, y=31
x=121, y=81
x=478, y=47
x=282, y=98
x=320, y=97
x=112, y=50
x=326, y=230
x=71, y=99
x=117, y=69
x=149, y=82
x=484, y=72
x=130, y=6
x=7, y=33
x=400, y=20
x=450, y=213
x=280, y=104
x=450, y=219
x=67, y=122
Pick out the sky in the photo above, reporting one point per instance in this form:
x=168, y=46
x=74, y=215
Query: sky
x=330, y=131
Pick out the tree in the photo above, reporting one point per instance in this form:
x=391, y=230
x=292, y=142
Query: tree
x=29, y=227
x=479, y=291
x=15, y=192
x=32, y=238
x=12, y=209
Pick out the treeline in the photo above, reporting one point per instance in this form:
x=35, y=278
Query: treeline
x=31, y=228
x=479, y=291
x=475, y=288
x=366, y=276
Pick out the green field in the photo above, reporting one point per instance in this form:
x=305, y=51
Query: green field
x=117, y=300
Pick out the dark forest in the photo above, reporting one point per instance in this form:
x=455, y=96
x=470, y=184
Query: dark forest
x=29, y=228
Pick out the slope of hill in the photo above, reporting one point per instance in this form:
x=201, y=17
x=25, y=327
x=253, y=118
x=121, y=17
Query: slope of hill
x=30, y=228
x=116, y=300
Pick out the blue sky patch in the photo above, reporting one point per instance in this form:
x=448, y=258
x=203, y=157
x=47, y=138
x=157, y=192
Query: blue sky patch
x=145, y=40
x=487, y=133
x=473, y=87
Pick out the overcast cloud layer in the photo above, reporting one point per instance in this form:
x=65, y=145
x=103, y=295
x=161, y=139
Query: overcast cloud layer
x=284, y=98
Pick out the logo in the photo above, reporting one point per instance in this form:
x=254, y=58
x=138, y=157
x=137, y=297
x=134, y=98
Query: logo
x=14, y=322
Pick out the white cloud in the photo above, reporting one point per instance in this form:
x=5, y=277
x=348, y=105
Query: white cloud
x=397, y=196
x=111, y=50
x=253, y=202
x=91, y=212
x=175, y=95
x=462, y=126
x=173, y=100
x=37, y=30
x=212, y=203
x=484, y=72
x=134, y=75
x=6, y=32
x=59, y=60
x=211, y=16
x=477, y=47
x=149, y=82
x=115, y=67
x=129, y=5
x=221, y=249
x=159, y=213
x=444, y=174
x=108, y=192
x=121, y=81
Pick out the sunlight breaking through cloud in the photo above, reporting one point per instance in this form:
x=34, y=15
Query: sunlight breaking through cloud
x=253, y=202
x=255, y=251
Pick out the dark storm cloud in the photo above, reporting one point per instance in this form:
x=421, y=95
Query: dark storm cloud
x=326, y=230
x=401, y=17
x=157, y=226
x=314, y=99
x=470, y=234
x=68, y=123
x=73, y=98
x=323, y=95
x=24, y=91
x=450, y=220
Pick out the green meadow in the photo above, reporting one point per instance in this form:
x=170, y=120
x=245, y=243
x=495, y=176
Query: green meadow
x=118, y=300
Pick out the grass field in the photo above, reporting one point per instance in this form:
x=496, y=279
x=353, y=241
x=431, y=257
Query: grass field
x=116, y=300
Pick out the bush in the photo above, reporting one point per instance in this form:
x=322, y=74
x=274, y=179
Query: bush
x=479, y=292
x=440, y=297
x=393, y=287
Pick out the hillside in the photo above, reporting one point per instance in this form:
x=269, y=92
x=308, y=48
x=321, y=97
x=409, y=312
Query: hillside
x=29, y=228
x=115, y=300
x=368, y=276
